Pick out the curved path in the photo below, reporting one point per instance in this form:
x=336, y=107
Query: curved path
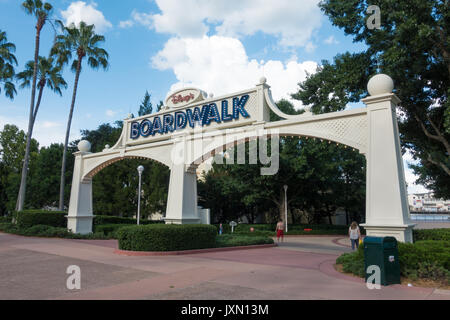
x=300, y=268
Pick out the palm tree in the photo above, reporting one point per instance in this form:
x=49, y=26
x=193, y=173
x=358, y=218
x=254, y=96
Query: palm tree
x=48, y=74
x=84, y=43
x=7, y=62
x=41, y=11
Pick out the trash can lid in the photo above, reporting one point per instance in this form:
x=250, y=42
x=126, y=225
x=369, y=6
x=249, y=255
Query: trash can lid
x=379, y=240
x=374, y=240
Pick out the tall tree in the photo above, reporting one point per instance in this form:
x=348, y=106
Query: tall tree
x=12, y=150
x=48, y=74
x=84, y=43
x=146, y=106
x=7, y=62
x=41, y=11
x=412, y=45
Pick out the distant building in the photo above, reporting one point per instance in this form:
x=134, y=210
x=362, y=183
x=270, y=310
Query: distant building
x=426, y=202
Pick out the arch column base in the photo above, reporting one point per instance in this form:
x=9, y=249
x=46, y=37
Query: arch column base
x=80, y=224
x=182, y=198
x=402, y=233
x=182, y=221
x=80, y=217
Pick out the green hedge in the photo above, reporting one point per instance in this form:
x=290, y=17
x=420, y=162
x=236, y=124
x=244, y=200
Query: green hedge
x=29, y=218
x=428, y=259
x=299, y=229
x=5, y=219
x=100, y=219
x=159, y=237
x=109, y=229
x=234, y=240
x=48, y=232
x=431, y=234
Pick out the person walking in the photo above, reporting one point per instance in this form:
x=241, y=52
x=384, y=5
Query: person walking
x=280, y=231
x=354, y=235
x=220, y=229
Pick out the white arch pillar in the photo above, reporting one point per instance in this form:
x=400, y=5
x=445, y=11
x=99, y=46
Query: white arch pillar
x=387, y=211
x=80, y=217
x=182, y=198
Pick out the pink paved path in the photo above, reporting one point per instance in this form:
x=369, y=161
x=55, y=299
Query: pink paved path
x=300, y=268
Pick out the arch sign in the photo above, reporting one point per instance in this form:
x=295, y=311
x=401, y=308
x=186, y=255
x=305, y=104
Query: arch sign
x=193, y=127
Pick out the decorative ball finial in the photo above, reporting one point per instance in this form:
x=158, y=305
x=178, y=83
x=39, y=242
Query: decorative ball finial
x=380, y=84
x=263, y=80
x=84, y=146
x=211, y=95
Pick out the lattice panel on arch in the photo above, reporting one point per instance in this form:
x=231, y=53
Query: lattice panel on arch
x=353, y=129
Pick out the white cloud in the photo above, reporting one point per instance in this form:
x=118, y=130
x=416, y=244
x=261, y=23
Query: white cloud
x=110, y=113
x=293, y=22
x=81, y=11
x=126, y=24
x=50, y=124
x=220, y=65
x=45, y=132
x=331, y=40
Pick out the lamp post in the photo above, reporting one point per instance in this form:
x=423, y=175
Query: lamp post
x=140, y=169
x=285, y=207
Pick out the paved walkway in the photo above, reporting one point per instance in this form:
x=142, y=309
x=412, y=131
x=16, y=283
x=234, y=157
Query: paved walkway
x=300, y=268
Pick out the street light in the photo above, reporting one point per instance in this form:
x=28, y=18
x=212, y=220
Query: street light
x=140, y=169
x=285, y=206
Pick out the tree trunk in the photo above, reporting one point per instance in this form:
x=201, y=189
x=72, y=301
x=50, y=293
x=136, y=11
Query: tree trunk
x=23, y=181
x=66, y=142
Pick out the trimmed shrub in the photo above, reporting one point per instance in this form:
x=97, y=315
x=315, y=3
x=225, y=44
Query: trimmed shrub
x=431, y=234
x=353, y=262
x=109, y=229
x=29, y=218
x=235, y=240
x=298, y=229
x=161, y=237
x=45, y=231
x=427, y=251
x=424, y=259
x=121, y=220
x=6, y=219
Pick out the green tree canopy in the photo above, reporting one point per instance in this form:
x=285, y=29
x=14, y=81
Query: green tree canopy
x=7, y=63
x=412, y=46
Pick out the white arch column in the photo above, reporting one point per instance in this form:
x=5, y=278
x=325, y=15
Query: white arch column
x=182, y=198
x=387, y=211
x=80, y=217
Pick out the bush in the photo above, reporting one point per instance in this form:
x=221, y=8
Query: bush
x=6, y=219
x=299, y=229
x=159, y=237
x=428, y=251
x=424, y=259
x=353, y=262
x=235, y=240
x=121, y=220
x=29, y=218
x=109, y=229
x=432, y=234
x=45, y=231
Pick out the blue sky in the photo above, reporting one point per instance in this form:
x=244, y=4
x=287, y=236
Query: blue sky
x=219, y=46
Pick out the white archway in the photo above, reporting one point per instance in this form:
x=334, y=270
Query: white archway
x=192, y=125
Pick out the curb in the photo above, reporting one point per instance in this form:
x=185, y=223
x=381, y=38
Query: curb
x=185, y=252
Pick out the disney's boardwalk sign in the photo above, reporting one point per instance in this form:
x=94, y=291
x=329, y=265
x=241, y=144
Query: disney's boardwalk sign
x=175, y=136
x=192, y=116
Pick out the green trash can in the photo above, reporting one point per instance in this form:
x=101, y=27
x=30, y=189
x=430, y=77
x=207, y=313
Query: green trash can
x=382, y=252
